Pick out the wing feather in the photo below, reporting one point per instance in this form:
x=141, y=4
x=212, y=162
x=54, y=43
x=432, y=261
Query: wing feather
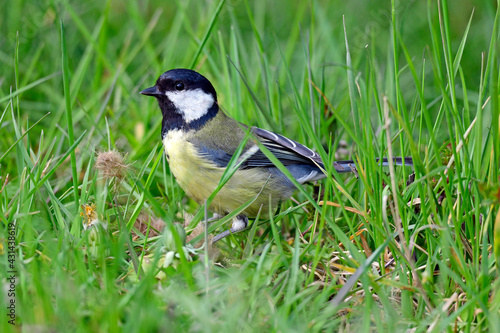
x=286, y=150
x=289, y=152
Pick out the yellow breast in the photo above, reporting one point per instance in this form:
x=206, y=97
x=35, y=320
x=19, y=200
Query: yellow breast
x=199, y=178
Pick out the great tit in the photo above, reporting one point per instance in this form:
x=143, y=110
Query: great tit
x=200, y=140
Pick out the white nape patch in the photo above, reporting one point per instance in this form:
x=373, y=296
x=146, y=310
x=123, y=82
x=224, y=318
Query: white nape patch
x=193, y=104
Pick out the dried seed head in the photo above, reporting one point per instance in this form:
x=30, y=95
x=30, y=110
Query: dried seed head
x=111, y=164
x=198, y=230
x=144, y=219
x=213, y=252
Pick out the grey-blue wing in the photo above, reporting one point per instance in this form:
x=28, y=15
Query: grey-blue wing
x=283, y=146
x=287, y=149
x=303, y=163
x=289, y=152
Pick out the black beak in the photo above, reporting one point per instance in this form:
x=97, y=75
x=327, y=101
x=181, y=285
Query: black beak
x=151, y=92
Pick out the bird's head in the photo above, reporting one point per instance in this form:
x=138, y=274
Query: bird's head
x=186, y=98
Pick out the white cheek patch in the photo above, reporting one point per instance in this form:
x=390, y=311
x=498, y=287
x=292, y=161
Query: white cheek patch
x=193, y=104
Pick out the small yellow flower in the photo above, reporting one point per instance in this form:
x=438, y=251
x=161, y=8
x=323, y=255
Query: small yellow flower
x=89, y=215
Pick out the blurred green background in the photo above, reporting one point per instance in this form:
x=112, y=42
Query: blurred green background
x=268, y=60
x=136, y=41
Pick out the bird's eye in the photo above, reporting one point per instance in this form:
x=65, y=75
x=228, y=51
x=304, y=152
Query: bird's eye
x=179, y=86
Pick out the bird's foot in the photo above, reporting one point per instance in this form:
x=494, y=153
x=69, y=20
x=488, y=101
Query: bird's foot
x=240, y=223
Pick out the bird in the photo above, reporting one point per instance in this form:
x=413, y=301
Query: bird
x=200, y=140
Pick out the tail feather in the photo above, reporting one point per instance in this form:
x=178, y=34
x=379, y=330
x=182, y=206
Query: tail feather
x=349, y=165
x=407, y=161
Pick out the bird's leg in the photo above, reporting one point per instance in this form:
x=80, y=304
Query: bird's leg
x=215, y=217
x=240, y=223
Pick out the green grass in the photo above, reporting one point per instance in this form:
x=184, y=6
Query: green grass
x=409, y=78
